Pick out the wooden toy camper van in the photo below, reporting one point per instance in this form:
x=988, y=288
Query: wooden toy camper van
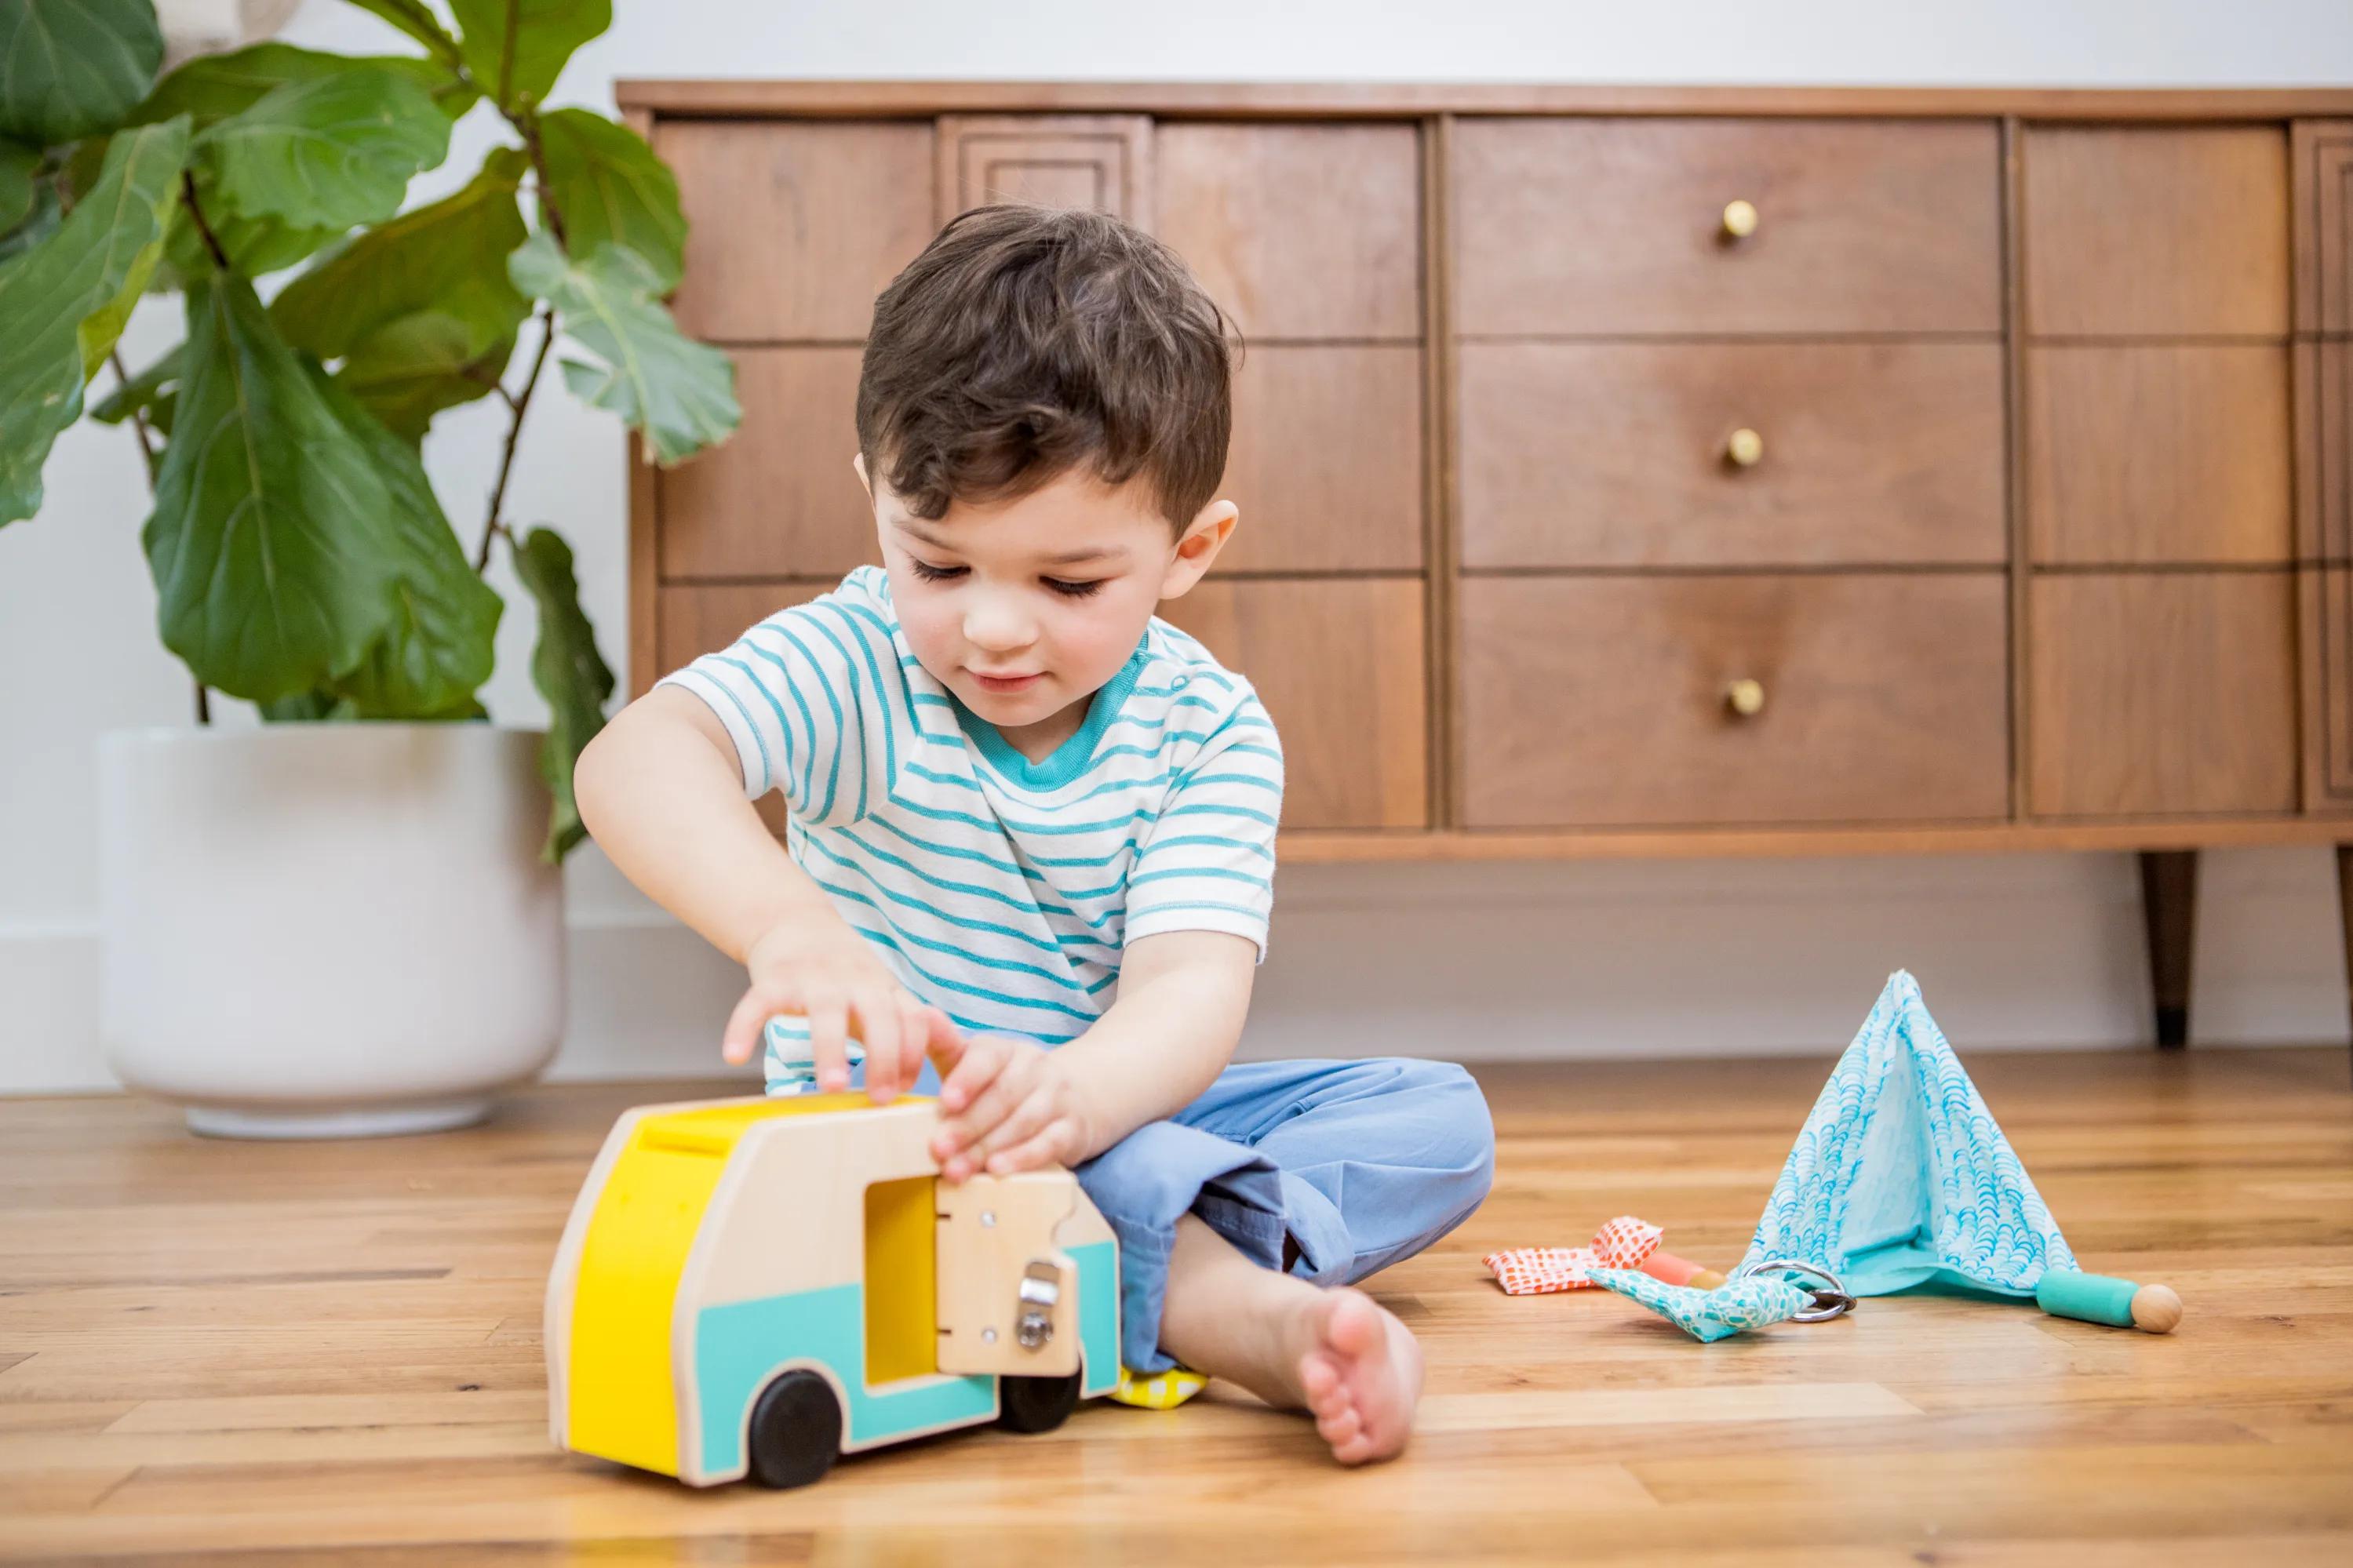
x=751, y=1287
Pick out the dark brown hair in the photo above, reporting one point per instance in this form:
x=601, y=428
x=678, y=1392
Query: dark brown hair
x=1025, y=343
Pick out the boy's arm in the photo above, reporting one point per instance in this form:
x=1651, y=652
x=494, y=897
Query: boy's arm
x=661, y=792
x=1013, y=1106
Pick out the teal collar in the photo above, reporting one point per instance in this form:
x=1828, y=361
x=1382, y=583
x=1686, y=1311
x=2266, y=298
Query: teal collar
x=1070, y=759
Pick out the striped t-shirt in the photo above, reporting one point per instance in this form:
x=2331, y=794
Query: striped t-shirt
x=999, y=890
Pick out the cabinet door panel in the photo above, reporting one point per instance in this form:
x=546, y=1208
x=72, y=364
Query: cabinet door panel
x=2162, y=693
x=1339, y=665
x=1099, y=162
x=795, y=227
x=1618, y=454
x=1298, y=231
x=1616, y=701
x=1616, y=227
x=2156, y=230
x=779, y=498
x=2157, y=454
x=1327, y=459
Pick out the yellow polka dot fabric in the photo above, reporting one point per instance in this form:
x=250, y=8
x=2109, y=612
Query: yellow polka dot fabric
x=1157, y=1391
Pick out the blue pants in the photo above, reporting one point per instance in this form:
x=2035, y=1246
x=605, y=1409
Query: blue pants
x=1357, y=1164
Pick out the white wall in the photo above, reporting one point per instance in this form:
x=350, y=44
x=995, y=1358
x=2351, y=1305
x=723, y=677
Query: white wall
x=1517, y=959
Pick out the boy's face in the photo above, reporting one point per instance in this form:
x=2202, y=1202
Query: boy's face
x=1025, y=608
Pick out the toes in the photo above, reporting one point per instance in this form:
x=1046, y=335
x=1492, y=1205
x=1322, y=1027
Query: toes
x=1319, y=1377
x=1354, y=1329
x=1340, y=1428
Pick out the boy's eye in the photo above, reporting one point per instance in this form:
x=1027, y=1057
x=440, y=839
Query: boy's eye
x=930, y=574
x=1070, y=590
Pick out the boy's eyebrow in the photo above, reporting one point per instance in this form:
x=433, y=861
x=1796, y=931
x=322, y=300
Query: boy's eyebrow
x=1064, y=557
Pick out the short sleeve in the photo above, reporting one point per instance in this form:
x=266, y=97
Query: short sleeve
x=805, y=696
x=1207, y=863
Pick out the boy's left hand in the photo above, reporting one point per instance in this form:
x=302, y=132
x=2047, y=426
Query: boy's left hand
x=1008, y=1106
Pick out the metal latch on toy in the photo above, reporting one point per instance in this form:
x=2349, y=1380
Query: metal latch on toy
x=1830, y=1299
x=1041, y=1288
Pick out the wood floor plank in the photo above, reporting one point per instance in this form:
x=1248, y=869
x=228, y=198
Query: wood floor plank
x=285, y=1354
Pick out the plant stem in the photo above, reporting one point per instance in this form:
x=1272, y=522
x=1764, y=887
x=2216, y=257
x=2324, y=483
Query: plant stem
x=147, y=450
x=212, y=242
x=548, y=215
x=521, y=403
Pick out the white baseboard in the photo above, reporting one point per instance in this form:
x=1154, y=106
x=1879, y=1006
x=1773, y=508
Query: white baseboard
x=1522, y=962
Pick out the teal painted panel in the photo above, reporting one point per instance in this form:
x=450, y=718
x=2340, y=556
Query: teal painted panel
x=736, y=1345
x=1098, y=1264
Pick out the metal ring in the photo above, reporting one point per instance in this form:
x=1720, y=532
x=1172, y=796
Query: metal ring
x=1829, y=1302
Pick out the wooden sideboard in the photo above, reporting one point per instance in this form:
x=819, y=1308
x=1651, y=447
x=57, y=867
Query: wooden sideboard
x=1649, y=471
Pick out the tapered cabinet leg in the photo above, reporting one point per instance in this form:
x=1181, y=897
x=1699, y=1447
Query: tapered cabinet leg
x=2168, y=897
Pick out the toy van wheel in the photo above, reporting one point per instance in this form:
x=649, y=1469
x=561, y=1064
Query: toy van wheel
x=795, y=1430
x=1036, y=1403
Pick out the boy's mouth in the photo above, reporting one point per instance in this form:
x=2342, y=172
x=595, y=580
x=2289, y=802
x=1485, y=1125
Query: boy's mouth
x=1006, y=685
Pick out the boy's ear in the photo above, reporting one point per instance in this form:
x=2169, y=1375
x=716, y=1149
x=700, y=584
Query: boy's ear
x=1198, y=546
x=858, y=461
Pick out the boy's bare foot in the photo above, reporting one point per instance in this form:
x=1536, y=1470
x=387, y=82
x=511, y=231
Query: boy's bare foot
x=1334, y=1353
x=1361, y=1377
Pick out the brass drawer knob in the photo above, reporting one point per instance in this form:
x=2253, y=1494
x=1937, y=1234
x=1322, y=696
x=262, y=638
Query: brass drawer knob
x=1739, y=219
x=1746, y=698
x=1744, y=448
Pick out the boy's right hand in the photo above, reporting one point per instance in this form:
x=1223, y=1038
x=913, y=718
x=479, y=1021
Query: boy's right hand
x=826, y=972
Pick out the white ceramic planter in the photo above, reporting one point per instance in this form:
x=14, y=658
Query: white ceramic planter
x=328, y=929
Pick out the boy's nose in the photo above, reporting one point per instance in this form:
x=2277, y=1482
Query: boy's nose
x=997, y=626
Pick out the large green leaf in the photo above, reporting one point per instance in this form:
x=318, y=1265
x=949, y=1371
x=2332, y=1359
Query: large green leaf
x=611, y=189
x=273, y=539
x=19, y=164
x=62, y=302
x=438, y=647
x=256, y=247
x=70, y=69
x=416, y=19
x=332, y=151
x=679, y=392
x=35, y=225
x=516, y=48
x=421, y=364
x=212, y=88
x=566, y=667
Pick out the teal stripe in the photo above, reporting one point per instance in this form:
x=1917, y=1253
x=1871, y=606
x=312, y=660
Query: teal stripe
x=767, y=770
x=1202, y=840
x=1255, y=913
x=833, y=770
x=956, y=852
x=998, y=826
x=1252, y=878
x=1251, y=778
x=964, y=922
x=1248, y=752
x=841, y=737
x=934, y=776
x=921, y=698
x=890, y=729
x=1210, y=808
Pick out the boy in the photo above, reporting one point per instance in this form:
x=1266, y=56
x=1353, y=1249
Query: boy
x=1031, y=827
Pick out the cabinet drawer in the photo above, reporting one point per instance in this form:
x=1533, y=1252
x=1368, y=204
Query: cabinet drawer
x=780, y=496
x=2175, y=454
x=2323, y=184
x=2156, y=230
x=2329, y=687
x=1621, y=454
x=1339, y=664
x=1608, y=701
x=2161, y=694
x=1616, y=227
x=795, y=227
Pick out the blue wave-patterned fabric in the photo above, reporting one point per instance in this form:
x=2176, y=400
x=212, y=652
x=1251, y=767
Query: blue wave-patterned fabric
x=1755, y=1302
x=1901, y=1175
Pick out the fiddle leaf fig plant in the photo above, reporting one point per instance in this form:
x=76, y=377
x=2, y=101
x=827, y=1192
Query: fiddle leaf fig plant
x=300, y=558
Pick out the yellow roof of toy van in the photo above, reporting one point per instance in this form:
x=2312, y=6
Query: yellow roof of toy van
x=717, y=1129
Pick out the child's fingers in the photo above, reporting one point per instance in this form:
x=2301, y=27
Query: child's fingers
x=829, y=1018
x=878, y=1027
x=983, y=1111
x=1035, y=1153
x=915, y=1036
x=980, y=1061
x=742, y=1035
x=1020, y=1123
x=946, y=1043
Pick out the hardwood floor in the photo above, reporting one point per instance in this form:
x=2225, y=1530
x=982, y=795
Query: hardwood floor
x=330, y=1353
